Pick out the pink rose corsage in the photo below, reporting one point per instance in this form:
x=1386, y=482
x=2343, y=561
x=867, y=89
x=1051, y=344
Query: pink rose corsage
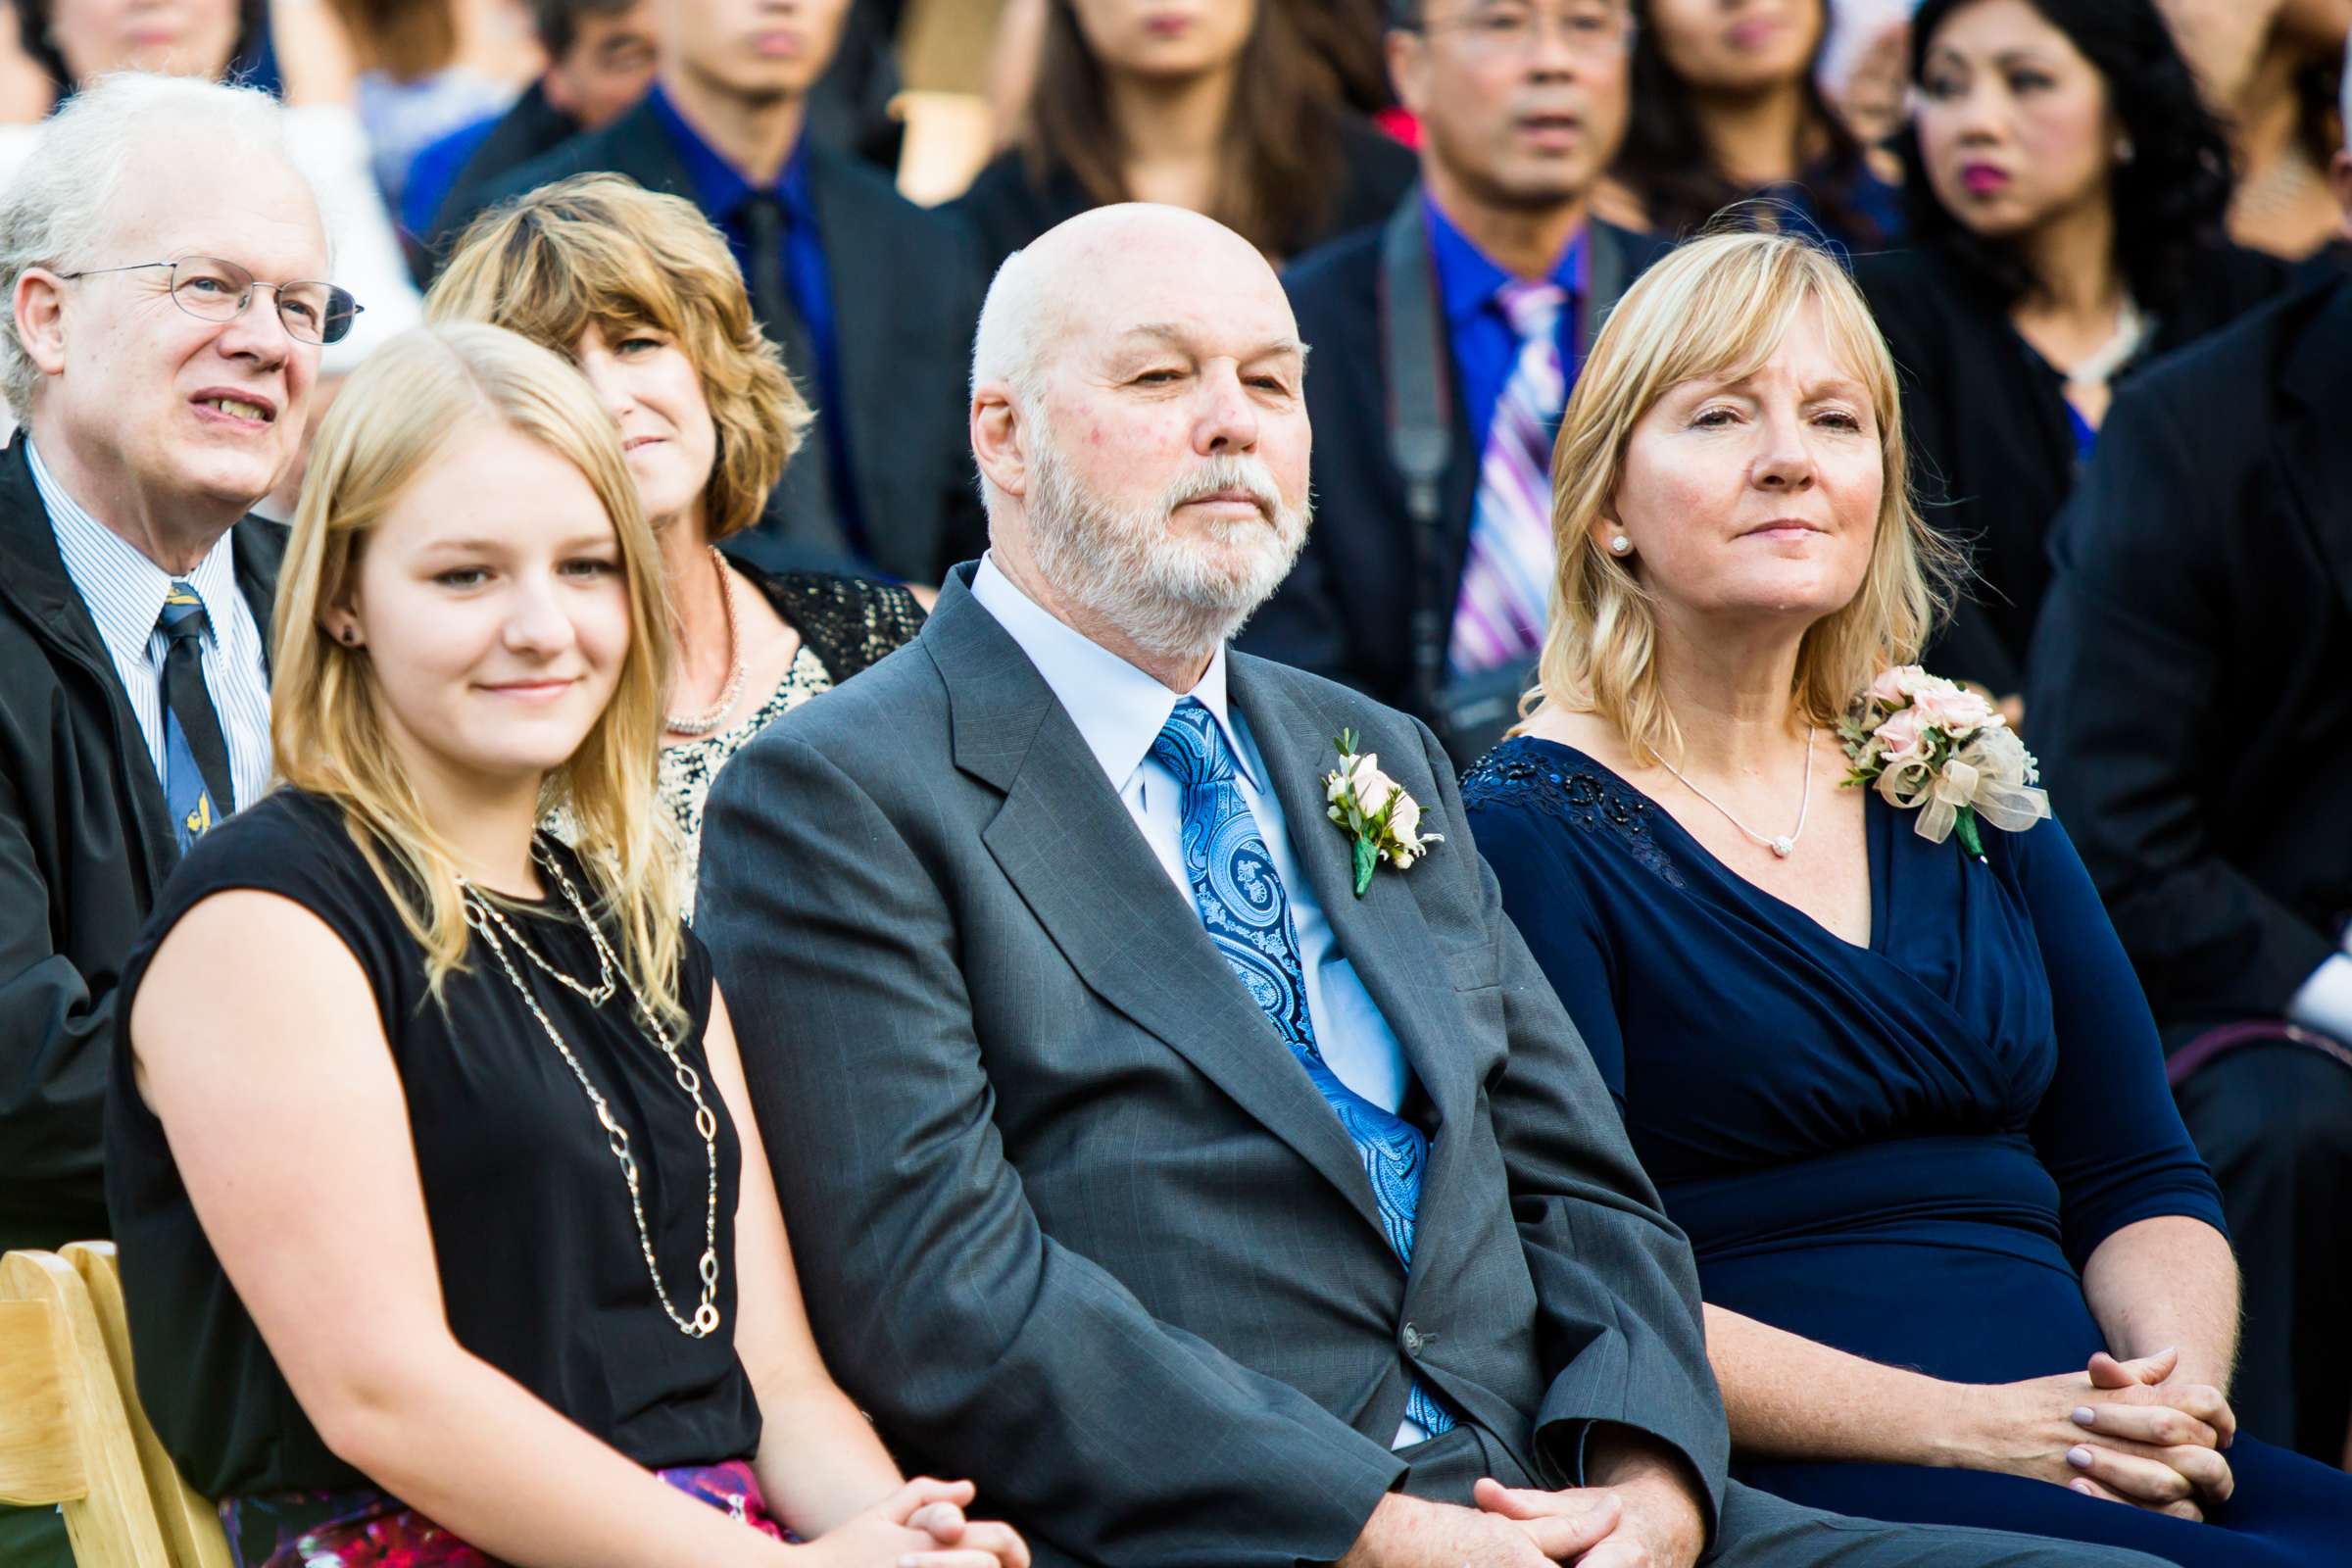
x=1927, y=745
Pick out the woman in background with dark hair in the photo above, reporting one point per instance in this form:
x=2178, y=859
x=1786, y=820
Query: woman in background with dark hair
x=1727, y=104
x=1226, y=110
x=2067, y=189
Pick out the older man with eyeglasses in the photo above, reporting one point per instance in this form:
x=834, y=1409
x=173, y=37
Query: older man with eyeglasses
x=164, y=264
x=164, y=268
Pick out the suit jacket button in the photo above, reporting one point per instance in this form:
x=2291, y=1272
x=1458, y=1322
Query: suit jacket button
x=1412, y=1339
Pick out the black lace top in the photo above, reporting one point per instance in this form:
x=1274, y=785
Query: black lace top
x=847, y=623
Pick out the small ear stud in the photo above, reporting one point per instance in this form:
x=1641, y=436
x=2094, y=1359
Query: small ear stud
x=350, y=637
x=1620, y=545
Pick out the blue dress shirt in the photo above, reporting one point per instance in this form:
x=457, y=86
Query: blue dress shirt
x=720, y=190
x=1485, y=348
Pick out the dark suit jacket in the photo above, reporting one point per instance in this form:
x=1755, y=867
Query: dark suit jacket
x=1991, y=445
x=1348, y=608
x=2191, y=694
x=906, y=297
x=1069, y=1218
x=531, y=129
x=85, y=840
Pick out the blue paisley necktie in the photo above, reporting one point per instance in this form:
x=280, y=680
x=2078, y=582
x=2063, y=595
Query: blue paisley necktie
x=1247, y=915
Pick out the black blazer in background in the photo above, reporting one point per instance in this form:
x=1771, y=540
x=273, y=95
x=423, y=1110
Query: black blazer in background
x=1346, y=611
x=86, y=842
x=906, y=297
x=1993, y=450
x=2192, y=691
x=533, y=128
x=1008, y=209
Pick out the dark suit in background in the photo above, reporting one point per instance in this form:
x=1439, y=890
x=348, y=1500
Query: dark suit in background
x=884, y=478
x=1992, y=446
x=1354, y=607
x=533, y=128
x=2191, y=705
x=1069, y=1217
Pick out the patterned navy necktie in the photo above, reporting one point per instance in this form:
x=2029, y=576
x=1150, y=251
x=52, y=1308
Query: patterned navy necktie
x=1247, y=915
x=198, y=785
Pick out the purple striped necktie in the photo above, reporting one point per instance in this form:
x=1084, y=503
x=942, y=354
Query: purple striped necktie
x=1506, y=579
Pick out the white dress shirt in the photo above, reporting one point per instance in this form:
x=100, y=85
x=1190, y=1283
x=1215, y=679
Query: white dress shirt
x=1119, y=711
x=2324, y=1003
x=124, y=592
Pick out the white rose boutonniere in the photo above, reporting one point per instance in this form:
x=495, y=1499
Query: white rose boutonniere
x=1369, y=805
x=1932, y=746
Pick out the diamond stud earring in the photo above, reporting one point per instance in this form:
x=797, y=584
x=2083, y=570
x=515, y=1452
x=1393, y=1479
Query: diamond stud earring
x=1620, y=545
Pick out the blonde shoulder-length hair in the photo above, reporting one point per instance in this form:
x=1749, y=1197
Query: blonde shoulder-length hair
x=601, y=250
x=401, y=411
x=1718, y=308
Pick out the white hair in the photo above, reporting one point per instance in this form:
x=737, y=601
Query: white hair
x=1171, y=597
x=61, y=206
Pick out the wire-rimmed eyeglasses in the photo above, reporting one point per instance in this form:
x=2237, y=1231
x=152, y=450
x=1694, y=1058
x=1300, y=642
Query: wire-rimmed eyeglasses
x=1594, y=29
x=215, y=290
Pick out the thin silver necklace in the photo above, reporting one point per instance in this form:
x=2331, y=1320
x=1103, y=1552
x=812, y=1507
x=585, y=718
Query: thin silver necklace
x=1782, y=847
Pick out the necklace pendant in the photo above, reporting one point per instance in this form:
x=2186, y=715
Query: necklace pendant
x=1783, y=847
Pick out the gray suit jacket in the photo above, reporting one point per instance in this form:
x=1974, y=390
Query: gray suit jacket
x=1068, y=1216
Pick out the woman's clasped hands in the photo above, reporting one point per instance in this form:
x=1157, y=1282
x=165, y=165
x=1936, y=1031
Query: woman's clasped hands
x=2122, y=1431
x=921, y=1525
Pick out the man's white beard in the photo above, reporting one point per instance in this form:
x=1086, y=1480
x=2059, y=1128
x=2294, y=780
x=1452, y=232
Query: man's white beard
x=1174, y=596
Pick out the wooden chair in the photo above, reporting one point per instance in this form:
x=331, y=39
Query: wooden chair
x=64, y=1434
x=191, y=1525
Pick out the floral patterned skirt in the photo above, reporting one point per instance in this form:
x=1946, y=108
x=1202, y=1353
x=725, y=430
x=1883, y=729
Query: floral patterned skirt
x=366, y=1528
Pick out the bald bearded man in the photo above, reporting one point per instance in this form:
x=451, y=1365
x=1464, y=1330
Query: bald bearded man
x=1207, y=1204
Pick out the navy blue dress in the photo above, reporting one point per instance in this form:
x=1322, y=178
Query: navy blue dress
x=1883, y=1148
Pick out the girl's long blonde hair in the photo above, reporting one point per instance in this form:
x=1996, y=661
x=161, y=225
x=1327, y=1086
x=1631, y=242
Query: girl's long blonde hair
x=401, y=409
x=1719, y=306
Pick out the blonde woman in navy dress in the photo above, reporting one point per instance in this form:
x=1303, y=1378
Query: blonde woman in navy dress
x=1960, y=1260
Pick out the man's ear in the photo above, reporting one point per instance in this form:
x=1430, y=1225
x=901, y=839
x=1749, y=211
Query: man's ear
x=1000, y=439
x=39, y=305
x=1409, y=68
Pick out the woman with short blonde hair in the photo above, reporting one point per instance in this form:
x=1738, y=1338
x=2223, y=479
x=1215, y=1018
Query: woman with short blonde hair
x=641, y=292
x=1878, y=1046
x=446, y=1230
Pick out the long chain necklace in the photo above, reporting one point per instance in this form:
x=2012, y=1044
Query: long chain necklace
x=1782, y=847
x=498, y=932
x=704, y=723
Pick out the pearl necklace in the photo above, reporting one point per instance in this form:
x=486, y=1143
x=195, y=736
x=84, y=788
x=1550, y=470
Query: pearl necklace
x=705, y=722
x=496, y=933
x=1780, y=847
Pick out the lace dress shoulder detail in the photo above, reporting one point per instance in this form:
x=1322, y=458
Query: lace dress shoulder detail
x=1575, y=791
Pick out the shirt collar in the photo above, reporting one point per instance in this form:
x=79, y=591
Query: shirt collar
x=720, y=188
x=1118, y=709
x=1468, y=279
x=123, y=589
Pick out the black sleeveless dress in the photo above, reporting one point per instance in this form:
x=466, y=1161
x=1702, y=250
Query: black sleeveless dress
x=541, y=1266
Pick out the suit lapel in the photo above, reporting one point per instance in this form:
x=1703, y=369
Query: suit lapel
x=2314, y=455
x=865, y=323
x=1383, y=934
x=1067, y=844
x=42, y=585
